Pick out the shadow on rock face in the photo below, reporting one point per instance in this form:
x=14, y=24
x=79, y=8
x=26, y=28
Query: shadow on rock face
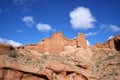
x=117, y=44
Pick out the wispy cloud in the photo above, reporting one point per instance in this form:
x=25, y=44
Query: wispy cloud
x=114, y=28
x=7, y=41
x=28, y=20
x=91, y=33
x=111, y=27
x=19, y=30
x=20, y=2
x=23, y=4
x=81, y=18
x=43, y=27
x=104, y=28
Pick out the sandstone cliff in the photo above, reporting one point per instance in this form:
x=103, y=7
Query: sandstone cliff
x=72, y=60
x=57, y=43
x=113, y=43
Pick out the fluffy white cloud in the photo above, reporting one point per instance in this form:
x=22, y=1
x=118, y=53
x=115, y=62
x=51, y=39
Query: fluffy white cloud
x=114, y=28
x=81, y=18
x=28, y=20
x=110, y=37
x=43, y=27
x=88, y=43
x=40, y=26
x=6, y=41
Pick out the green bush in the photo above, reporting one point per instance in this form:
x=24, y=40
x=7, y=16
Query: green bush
x=13, y=54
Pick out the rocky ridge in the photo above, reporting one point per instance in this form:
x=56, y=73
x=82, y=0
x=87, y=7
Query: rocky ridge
x=113, y=43
x=58, y=58
x=58, y=42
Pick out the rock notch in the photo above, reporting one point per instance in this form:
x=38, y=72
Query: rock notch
x=58, y=41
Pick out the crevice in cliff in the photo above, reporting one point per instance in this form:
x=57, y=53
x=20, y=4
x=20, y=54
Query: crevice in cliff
x=41, y=76
x=117, y=44
x=81, y=66
x=69, y=72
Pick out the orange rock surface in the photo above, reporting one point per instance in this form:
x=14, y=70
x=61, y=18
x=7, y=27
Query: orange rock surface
x=57, y=43
x=5, y=48
x=74, y=60
x=113, y=43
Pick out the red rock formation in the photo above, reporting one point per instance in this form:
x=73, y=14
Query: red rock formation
x=5, y=48
x=57, y=43
x=113, y=43
x=81, y=41
x=11, y=69
x=12, y=74
x=102, y=64
x=54, y=44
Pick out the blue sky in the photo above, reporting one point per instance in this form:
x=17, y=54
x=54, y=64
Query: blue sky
x=29, y=21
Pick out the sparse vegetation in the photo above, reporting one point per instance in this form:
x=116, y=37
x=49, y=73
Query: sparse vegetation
x=13, y=54
x=107, y=64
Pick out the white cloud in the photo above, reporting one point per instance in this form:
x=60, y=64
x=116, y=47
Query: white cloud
x=91, y=33
x=114, y=28
x=7, y=41
x=88, y=43
x=43, y=27
x=81, y=18
x=28, y=20
x=110, y=37
x=40, y=26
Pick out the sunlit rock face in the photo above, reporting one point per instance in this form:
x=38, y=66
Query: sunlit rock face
x=58, y=41
x=66, y=60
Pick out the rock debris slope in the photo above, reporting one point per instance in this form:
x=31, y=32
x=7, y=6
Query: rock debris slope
x=58, y=58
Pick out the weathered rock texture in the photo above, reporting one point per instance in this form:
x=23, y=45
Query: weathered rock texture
x=107, y=62
x=5, y=48
x=57, y=43
x=113, y=43
x=73, y=63
x=45, y=67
